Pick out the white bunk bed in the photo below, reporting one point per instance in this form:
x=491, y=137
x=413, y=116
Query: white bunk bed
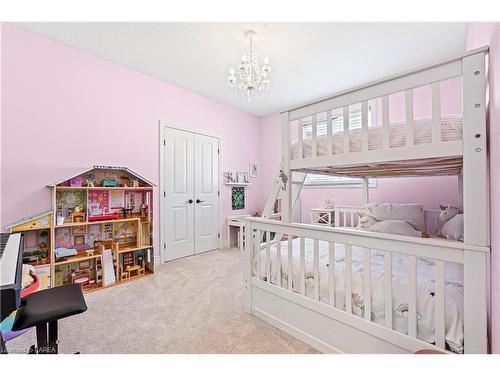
x=306, y=297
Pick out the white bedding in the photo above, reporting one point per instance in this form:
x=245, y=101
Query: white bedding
x=425, y=287
x=451, y=130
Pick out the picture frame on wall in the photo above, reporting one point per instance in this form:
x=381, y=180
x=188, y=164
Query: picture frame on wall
x=254, y=169
x=242, y=177
x=78, y=230
x=79, y=240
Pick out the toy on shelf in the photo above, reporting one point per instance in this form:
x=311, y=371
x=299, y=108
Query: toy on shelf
x=109, y=183
x=76, y=182
x=77, y=216
x=95, y=208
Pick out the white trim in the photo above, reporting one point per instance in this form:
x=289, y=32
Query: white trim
x=429, y=150
x=445, y=250
x=476, y=207
x=162, y=126
x=320, y=345
x=372, y=183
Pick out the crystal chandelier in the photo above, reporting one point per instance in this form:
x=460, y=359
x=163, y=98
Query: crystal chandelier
x=250, y=77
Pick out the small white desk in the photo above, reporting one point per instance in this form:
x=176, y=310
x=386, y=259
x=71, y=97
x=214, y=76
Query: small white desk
x=236, y=225
x=323, y=216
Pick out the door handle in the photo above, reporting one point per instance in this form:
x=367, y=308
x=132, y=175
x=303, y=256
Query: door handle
x=198, y=201
x=190, y=201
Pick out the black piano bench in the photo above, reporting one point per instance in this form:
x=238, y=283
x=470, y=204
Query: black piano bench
x=43, y=309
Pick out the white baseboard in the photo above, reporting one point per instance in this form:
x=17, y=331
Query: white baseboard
x=322, y=346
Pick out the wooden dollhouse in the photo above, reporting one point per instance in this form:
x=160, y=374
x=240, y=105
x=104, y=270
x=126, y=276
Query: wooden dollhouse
x=37, y=231
x=98, y=233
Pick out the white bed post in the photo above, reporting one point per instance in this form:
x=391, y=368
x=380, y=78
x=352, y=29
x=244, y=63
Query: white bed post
x=475, y=204
x=460, y=179
x=286, y=202
x=247, y=272
x=366, y=194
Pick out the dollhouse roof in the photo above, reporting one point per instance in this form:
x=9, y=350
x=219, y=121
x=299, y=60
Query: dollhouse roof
x=29, y=218
x=106, y=167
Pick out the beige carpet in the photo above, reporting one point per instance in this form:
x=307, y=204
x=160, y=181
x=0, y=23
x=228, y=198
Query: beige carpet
x=192, y=305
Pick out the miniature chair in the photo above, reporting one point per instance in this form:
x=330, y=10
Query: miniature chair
x=43, y=310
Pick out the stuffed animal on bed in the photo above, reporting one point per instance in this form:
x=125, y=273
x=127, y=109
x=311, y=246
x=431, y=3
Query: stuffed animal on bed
x=451, y=223
x=447, y=212
x=389, y=226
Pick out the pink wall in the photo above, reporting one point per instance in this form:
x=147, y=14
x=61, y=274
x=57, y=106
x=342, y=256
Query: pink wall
x=480, y=34
x=65, y=110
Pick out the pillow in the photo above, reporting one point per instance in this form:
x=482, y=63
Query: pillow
x=453, y=229
x=395, y=227
x=412, y=213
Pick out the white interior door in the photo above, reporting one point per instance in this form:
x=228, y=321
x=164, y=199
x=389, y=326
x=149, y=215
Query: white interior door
x=206, y=193
x=178, y=181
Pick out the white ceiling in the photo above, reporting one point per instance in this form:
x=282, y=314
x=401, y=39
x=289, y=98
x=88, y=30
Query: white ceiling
x=309, y=60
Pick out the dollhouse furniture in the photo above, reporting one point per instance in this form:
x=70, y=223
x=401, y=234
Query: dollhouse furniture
x=81, y=281
x=131, y=269
x=322, y=216
x=332, y=285
x=44, y=309
x=80, y=238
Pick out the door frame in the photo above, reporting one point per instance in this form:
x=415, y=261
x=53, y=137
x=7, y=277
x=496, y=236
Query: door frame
x=164, y=125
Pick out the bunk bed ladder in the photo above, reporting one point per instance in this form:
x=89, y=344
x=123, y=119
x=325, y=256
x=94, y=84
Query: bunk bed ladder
x=277, y=191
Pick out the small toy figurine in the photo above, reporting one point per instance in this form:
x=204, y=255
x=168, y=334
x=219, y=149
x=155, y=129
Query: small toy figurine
x=89, y=183
x=284, y=179
x=77, y=216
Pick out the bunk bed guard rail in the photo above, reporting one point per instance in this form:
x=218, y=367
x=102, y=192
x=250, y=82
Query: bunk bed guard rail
x=264, y=254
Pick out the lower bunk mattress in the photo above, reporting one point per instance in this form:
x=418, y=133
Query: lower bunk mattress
x=425, y=287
